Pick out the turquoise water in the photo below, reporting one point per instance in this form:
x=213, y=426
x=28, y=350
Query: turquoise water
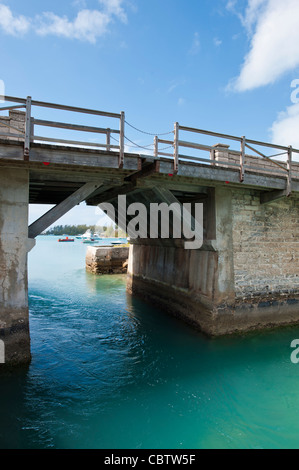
x=110, y=372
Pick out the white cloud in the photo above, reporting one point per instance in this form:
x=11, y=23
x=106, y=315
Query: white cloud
x=114, y=7
x=284, y=130
x=217, y=42
x=88, y=25
x=181, y=101
x=195, y=45
x=273, y=29
x=13, y=25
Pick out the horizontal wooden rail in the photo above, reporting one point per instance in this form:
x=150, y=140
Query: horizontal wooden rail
x=11, y=108
x=17, y=136
x=75, y=127
x=168, y=142
x=72, y=142
x=62, y=107
x=213, y=134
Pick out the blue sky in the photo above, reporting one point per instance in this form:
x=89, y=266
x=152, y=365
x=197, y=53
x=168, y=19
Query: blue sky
x=222, y=65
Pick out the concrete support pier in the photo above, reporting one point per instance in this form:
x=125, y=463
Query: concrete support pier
x=246, y=278
x=14, y=246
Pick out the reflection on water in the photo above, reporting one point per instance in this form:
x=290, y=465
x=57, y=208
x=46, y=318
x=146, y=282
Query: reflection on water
x=109, y=371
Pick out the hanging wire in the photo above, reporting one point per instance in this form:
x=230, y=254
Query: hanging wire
x=146, y=147
x=148, y=133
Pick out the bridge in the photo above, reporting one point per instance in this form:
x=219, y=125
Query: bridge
x=245, y=275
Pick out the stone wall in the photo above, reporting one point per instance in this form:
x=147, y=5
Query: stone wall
x=14, y=122
x=245, y=279
x=107, y=259
x=265, y=246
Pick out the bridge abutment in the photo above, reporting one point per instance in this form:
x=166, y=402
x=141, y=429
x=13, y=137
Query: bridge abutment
x=246, y=278
x=14, y=246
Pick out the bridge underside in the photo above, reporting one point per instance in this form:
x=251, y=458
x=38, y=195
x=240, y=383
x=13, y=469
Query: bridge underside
x=244, y=276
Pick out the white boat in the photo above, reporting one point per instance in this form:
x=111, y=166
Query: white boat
x=87, y=237
x=96, y=236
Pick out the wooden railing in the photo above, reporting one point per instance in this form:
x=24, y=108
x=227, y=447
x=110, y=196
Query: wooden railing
x=31, y=122
x=238, y=159
x=219, y=155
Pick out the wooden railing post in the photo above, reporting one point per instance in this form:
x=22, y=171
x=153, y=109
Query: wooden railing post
x=289, y=168
x=156, y=146
x=28, y=129
x=121, y=140
x=176, y=148
x=212, y=157
x=242, y=159
x=108, y=139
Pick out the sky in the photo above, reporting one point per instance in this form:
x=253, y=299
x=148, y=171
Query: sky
x=229, y=66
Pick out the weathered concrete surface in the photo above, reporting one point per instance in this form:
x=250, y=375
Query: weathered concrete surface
x=107, y=259
x=248, y=278
x=14, y=246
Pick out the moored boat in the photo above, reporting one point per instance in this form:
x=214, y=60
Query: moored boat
x=66, y=239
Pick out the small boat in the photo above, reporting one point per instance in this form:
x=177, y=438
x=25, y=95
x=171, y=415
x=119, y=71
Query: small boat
x=66, y=239
x=89, y=237
x=96, y=236
x=88, y=240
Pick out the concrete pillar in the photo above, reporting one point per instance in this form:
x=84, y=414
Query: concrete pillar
x=223, y=244
x=14, y=246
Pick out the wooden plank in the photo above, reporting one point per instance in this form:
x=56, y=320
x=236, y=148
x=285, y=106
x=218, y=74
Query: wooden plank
x=108, y=135
x=121, y=140
x=242, y=160
x=74, y=142
x=13, y=99
x=264, y=156
x=9, y=108
x=289, y=169
x=76, y=127
x=165, y=154
x=193, y=145
x=156, y=145
x=27, y=129
x=213, y=134
x=176, y=148
x=58, y=211
x=8, y=134
x=265, y=144
x=146, y=170
x=162, y=141
x=62, y=107
x=111, y=194
x=75, y=109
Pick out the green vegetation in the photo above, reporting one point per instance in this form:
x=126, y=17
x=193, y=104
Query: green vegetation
x=74, y=230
